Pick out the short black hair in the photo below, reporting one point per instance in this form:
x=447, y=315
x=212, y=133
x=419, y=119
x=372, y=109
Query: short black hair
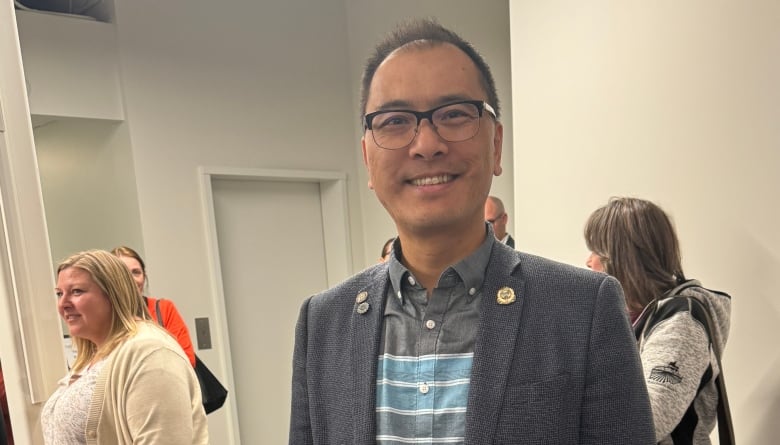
x=430, y=31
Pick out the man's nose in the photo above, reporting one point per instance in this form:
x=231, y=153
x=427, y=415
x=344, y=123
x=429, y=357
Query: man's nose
x=427, y=143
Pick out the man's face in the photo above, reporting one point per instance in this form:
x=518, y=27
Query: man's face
x=432, y=184
x=497, y=218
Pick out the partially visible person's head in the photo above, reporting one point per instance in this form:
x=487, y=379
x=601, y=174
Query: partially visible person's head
x=135, y=263
x=595, y=262
x=430, y=85
x=387, y=249
x=99, y=302
x=634, y=240
x=421, y=33
x=496, y=216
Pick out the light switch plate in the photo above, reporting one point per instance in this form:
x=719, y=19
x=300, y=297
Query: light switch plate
x=203, y=333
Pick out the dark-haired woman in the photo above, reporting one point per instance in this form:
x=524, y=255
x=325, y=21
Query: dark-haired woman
x=634, y=241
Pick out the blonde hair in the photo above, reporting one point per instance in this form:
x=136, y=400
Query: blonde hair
x=127, y=305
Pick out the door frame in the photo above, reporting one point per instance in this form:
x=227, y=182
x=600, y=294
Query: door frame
x=336, y=237
x=30, y=330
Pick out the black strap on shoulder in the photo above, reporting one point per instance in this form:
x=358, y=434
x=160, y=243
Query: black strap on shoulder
x=159, y=314
x=725, y=426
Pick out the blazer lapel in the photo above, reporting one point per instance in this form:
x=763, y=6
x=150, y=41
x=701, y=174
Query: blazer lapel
x=366, y=323
x=495, y=343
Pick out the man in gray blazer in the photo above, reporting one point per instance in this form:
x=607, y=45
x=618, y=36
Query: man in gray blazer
x=457, y=339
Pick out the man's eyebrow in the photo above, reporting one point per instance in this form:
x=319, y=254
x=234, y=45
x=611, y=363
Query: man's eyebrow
x=406, y=105
x=395, y=105
x=453, y=98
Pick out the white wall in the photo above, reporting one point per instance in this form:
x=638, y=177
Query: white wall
x=88, y=185
x=486, y=25
x=676, y=102
x=70, y=66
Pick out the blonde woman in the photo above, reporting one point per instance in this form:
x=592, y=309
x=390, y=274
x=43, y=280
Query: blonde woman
x=131, y=383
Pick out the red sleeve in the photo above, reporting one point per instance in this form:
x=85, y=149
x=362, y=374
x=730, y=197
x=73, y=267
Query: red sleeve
x=176, y=326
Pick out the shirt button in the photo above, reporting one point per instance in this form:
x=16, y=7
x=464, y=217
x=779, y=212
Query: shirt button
x=430, y=324
x=411, y=280
x=424, y=388
x=472, y=291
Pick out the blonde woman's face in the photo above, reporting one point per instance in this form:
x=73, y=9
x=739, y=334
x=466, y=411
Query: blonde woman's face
x=136, y=271
x=83, y=305
x=594, y=263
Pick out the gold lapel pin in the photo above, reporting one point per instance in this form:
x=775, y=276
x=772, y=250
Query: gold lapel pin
x=361, y=297
x=505, y=295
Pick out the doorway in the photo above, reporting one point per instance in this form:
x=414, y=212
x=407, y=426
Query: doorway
x=273, y=238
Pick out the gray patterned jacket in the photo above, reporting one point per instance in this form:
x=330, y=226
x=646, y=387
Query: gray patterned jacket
x=679, y=362
x=559, y=365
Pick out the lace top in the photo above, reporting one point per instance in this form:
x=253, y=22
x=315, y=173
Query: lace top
x=64, y=417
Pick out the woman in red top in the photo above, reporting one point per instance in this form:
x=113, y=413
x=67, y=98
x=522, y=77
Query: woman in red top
x=171, y=319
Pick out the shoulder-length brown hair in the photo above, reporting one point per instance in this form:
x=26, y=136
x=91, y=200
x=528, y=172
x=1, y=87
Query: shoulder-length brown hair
x=127, y=306
x=638, y=245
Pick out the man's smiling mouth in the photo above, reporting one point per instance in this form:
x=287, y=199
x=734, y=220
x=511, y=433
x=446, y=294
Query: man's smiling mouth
x=433, y=180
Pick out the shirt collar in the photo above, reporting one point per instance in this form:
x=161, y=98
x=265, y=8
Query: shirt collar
x=471, y=269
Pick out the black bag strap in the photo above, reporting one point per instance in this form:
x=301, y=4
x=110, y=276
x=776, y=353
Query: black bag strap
x=159, y=314
x=725, y=427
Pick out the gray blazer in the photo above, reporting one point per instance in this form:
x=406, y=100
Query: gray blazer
x=557, y=366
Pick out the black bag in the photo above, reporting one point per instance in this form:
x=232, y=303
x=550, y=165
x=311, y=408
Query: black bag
x=211, y=390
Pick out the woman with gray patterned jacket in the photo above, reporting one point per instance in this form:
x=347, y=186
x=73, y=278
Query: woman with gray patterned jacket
x=634, y=241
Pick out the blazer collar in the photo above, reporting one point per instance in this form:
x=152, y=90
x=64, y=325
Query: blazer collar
x=499, y=323
x=366, y=320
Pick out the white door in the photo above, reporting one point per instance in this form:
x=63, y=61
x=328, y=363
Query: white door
x=272, y=256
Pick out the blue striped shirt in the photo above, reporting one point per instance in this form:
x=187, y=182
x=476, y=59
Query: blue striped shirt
x=427, y=352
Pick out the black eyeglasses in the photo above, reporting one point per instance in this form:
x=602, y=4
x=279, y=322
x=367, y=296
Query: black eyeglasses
x=455, y=122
